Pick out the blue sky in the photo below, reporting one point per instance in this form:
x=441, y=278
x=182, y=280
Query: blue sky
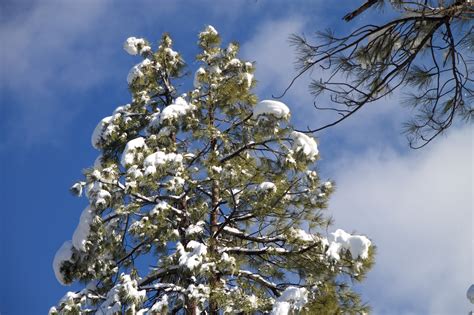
x=63, y=69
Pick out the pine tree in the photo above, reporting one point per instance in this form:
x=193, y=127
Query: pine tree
x=424, y=47
x=212, y=189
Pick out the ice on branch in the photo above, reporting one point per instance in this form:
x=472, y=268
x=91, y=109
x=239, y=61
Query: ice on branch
x=79, y=238
x=271, y=108
x=134, y=46
x=63, y=254
x=194, y=256
x=292, y=299
x=357, y=245
x=131, y=151
x=304, y=144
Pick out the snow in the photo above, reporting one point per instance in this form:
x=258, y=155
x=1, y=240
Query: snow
x=160, y=158
x=209, y=30
x=93, y=187
x=160, y=306
x=215, y=69
x=253, y=300
x=173, y=111
x=179, y=108
x=194, y=257
x=234, y=63
x=305, y=144
x=99, y=131
x=302, y=235
x=199, y=72
x=137, y=71
x=195, y=228
x=271, y=108
x=216, y=169
x=101, y=199
x=228, y=259
x=79, y=238
x=131, y=288
x=280, y=308
x=232, y=230
x=76, y=189
x=357, y=245
x=127, y=289
x=267, y=186
x=170, y=52
x=247, y=78
x=134, y=45
x=161, y=206
x=128, y=155
x=327, y=185
x=292, y=298
x=63, y=254
x=134, y=172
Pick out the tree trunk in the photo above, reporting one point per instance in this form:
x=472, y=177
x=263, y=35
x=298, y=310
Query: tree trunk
x=213, y=220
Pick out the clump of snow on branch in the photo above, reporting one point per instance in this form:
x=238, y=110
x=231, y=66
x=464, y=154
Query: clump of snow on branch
x=137, y=71
x=174, y=111
x=124, y=293
x=131, y=150
x=197, y=77
x=179, y=108
x=159, y=159
x=103, y=130
x=271, y=108
x=209, y=30
x=161, y=306
x=304, y=144
x=267, y=187
x=63, y=254
x=193, y=255
x=302, y=235
x=292, y=299
x=197, y=228
x=134, y=46
x=357, y=245
x=79, y=238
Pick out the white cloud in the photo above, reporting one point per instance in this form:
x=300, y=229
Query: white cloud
x=44, y=55
x=417, y=208
x=270, y=48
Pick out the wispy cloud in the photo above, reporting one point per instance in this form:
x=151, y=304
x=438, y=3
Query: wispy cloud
x=418, y=210
x=42, y=56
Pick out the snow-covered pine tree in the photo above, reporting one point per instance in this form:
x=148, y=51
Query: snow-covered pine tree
x=215, y=191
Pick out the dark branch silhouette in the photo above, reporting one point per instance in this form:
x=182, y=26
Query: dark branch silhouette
x=427, y=50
